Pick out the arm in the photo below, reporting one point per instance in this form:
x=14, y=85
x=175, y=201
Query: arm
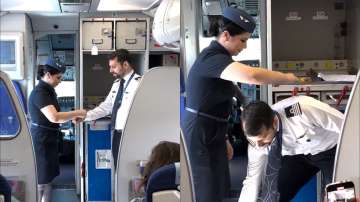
x=239, y=72
x=251, y=184
x=54, y=116
x=322, y=115
x=229, y=150
x=241, y=99
x=104, y=109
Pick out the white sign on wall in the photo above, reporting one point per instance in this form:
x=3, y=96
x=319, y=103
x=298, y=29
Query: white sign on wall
x=103, y=159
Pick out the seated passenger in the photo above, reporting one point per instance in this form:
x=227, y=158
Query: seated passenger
x=288, y=144
x=162, y=154
x=5, y=189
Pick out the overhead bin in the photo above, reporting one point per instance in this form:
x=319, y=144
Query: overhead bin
x=97, y=33
x=131, y=35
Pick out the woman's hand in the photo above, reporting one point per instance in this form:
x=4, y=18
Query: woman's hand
x=229, y=150
x=81, y=114
x=305, y=80
x=292, y=77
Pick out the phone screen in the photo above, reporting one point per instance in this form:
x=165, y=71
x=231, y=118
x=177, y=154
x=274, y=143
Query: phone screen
x=342, y=194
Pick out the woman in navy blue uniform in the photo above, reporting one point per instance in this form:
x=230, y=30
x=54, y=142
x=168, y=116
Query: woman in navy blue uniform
x=45, y=117
x=210, y=90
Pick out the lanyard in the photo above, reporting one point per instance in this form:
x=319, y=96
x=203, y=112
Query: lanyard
x=128, y=81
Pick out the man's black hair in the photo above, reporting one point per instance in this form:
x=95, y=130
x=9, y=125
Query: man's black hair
x=256, y=115
x=122, y=55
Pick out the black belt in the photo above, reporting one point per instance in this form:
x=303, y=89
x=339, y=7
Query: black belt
x=45, y=127
x=219, y=119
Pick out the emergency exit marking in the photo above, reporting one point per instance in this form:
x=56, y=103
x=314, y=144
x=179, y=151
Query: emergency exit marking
x=9, y=162
x=320, y=15
x=97, y=67
x=293, y=16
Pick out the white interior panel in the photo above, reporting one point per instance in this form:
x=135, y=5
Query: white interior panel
x=153, y=117
x=166, y=196
x=186, y=184
x=347, y=165
x=125, y=5
x=17, y=158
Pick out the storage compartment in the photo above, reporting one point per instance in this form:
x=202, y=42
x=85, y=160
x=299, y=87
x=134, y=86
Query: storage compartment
x=314, y=36
x=308, y=30
x=155, y=60
x=131, y=35
x=166, y=59
x=96, y=68
x=98, y=160
x=278, y=96
x=97, y=33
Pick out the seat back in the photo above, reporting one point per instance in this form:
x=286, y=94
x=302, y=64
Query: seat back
x=164, y=178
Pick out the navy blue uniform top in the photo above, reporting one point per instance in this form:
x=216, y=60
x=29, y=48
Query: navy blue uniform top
x=42, y=96
x=206, y=92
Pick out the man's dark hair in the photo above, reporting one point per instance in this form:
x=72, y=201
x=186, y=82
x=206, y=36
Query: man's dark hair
x=121, y=55
x=256, y=115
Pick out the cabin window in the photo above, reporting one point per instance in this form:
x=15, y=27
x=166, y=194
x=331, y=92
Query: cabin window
x=9, y=121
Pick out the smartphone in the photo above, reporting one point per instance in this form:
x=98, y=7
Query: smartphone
x=341, y=191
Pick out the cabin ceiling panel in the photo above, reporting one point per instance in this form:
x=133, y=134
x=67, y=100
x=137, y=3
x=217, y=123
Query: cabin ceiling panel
x=30, y=6
x=126, y=5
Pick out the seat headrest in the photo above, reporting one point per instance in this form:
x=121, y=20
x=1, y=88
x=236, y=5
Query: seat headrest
x=164, y=178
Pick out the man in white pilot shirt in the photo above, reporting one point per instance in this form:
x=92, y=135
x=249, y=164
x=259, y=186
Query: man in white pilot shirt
x=310, y=131
x=121, y=69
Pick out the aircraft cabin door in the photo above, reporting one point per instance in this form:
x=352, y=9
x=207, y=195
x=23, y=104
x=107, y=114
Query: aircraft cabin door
x=17, y=159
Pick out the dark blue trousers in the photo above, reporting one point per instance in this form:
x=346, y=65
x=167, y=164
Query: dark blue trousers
x=205, y=139
x=297, y=170
x=116, y=138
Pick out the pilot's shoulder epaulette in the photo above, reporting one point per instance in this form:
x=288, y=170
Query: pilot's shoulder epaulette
x=137, y=78
x=293, y=110
x=116, y=80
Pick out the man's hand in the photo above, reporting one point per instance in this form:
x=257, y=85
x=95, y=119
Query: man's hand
x=77, y=120
x=229, y=150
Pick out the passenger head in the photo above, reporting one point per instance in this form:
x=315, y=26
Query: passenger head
x=234, y=29
x=51, y=72
x=120, y=63
x=162, y=154
x=259, y=123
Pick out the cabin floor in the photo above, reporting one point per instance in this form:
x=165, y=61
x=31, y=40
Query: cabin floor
x=64, y=188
